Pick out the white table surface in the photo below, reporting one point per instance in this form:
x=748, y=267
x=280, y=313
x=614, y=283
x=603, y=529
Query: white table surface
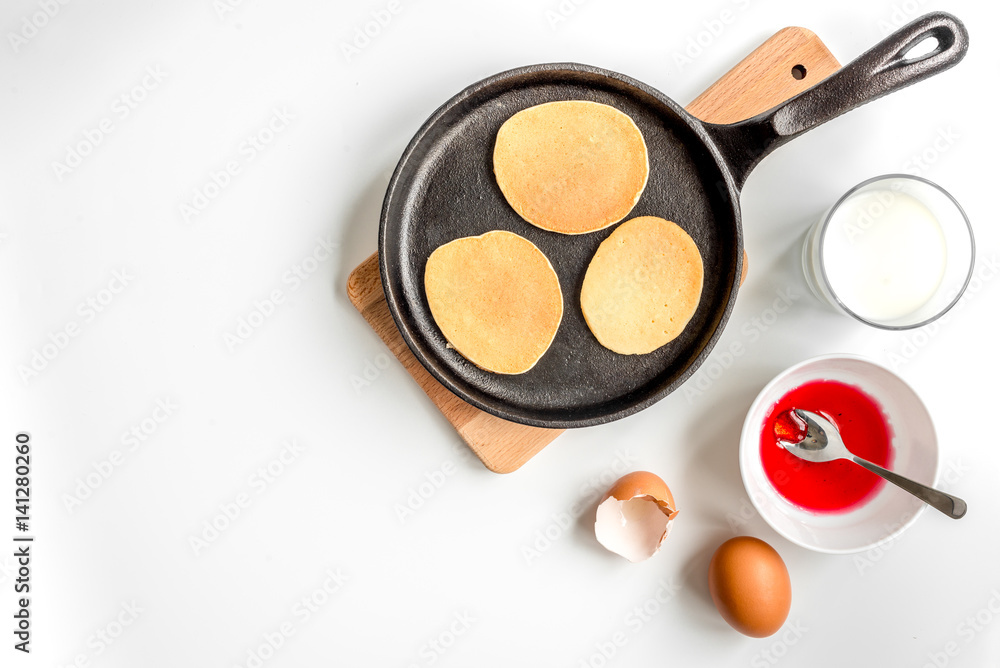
x=320, y=561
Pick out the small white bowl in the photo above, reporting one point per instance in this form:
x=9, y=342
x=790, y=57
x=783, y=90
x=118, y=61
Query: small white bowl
x=880, y=518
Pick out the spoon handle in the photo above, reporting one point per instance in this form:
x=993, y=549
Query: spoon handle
x=952, y=506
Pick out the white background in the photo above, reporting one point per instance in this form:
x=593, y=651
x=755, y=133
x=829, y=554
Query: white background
x=366, y=445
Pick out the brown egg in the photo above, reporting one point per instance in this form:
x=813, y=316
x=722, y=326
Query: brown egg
x=634, y=517
x=639, y=483
x=750, y=586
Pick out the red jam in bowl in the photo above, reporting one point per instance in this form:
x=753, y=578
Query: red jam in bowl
x=826, y=487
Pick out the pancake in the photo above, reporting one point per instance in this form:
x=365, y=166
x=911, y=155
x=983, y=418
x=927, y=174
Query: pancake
x=571, y=167
x=642, y=286
x=496, y=299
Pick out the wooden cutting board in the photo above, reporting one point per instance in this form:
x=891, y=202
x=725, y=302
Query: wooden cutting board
x=791, y=61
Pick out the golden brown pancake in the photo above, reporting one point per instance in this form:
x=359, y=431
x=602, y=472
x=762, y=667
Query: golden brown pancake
x=571, y=167
x=642, y=286
x=496, y=298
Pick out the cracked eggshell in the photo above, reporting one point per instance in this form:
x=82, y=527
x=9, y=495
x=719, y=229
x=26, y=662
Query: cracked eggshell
x=634, y=517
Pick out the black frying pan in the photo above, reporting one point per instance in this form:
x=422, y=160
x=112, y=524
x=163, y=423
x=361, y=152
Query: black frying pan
x=444, y=188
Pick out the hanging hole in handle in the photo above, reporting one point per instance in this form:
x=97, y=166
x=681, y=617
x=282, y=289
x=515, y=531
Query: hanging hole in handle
x=927, y=46
x=799, y=72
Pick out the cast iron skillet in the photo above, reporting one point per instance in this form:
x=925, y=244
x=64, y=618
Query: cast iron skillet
x=443, y=188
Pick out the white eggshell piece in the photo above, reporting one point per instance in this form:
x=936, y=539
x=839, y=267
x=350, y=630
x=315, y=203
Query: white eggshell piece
x=635, y=528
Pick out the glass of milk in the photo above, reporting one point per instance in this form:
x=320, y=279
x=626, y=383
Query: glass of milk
x=895, y=252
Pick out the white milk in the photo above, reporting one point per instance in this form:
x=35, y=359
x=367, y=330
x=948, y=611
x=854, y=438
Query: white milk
x=884, y=254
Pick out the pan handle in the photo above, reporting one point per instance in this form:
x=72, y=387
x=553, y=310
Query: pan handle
x=879, y=71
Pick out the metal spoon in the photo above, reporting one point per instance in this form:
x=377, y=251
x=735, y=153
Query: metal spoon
x=823, y=443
